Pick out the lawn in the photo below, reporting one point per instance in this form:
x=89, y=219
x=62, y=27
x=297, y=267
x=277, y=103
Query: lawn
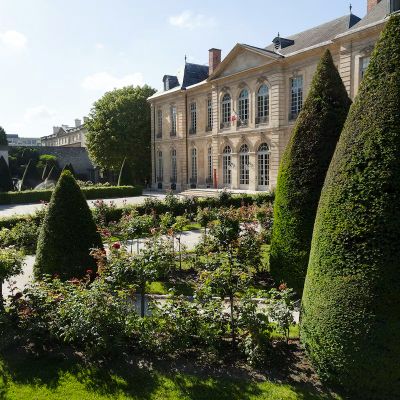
x=58, y=378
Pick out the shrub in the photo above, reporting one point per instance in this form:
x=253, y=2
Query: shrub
x=302, y=173
x=22, y=235
x=351, y=301
x=30, y=178
x=6, y=183
x=67, y=234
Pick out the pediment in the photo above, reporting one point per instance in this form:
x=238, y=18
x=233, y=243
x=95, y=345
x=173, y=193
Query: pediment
x=242, y=59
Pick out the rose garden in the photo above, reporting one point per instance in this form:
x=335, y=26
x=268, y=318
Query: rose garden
x=120, y=307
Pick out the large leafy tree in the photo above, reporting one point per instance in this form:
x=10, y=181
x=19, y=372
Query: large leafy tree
x=302, y=173
x=3, y=137
x=351, y=302
x=67, y=234
x=119, y=127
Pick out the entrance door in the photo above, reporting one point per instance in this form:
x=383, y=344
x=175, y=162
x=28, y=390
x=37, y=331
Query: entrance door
x=263, y=166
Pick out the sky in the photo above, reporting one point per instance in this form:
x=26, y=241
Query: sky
x=59, y=56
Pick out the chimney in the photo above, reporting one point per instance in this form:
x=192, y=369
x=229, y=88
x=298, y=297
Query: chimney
x=372, y=4
x=78, y=123
x=214, y=60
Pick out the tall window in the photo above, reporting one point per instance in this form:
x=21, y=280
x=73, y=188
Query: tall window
x=263, y=165
x=174, y=169
x=244, y=164
x=160, y=169
x=262, y=105
x=173, y=120
x=194, y=165
x=364, y=62
x=296, y=95
x=159, y=123
x=193, y=118
x=209, y=115
x=209, y=164
x=226, y=110
x=243, y=107
x=226, y=166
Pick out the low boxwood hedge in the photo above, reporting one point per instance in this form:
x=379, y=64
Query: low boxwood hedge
x=91, y=193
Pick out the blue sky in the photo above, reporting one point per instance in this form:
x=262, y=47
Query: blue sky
x=58, y=56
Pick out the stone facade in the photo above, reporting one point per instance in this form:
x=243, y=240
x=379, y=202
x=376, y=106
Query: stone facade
x=231, y=129
x=67, y=136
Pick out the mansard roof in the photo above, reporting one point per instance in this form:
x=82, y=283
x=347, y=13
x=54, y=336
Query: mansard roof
x=317, y=35
x=378, y=13
x=194, y=73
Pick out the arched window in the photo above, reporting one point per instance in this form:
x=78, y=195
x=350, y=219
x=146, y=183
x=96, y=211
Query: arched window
x=226, y=166
x=160, y=167
x=243, y=107
x=209, y=164
x=262, y=105
x=263, y=166
x=194, y=165
x=226, y=110
x=244, y=164
x=174, y=169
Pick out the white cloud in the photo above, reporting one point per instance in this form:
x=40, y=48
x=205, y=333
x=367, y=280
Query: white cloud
x=13, y=39
x=189, y=20
x=99, y=46
x=105, y=81
x=38, y=112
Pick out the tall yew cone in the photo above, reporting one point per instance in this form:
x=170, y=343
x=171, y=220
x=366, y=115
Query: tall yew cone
x=67, y=234
x=351, y=302
x=302, y=173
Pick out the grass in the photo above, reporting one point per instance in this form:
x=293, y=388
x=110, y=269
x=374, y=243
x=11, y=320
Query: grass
x=60, y=378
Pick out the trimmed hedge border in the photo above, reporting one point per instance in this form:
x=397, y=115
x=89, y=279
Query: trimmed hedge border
x=160, y=207
x=91, y=193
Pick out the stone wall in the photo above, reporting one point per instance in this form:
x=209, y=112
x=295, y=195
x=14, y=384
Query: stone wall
x=77, y=156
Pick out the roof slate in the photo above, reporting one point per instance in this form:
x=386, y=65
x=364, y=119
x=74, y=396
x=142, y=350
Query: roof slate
x=378, y=13
x=194, y=73
x=317, y=35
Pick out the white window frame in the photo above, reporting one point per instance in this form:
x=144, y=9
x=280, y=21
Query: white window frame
x=209, y=114
x=160, y=166
x=244, y=165
x=263, y=103
x=243, y=111
x=174, y=167
x=159, y=122
x=296, y=96
x=194, y=165
x=173, y=120
x=210, y=163
x=227, y=166
x=226, y=108
x=193, y=117
x=263, y=164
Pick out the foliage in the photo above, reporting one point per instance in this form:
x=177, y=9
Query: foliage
x=91, y=192
x=351, y=307
x=70, y=168
x=11, y=262
x=3, y=137
x=6, y=183
x=302, y=173
x=19, y=157
x=54, y=174
x=125, y=174
x=23, y=235
x=118, y=128
x=249, y=247
x=46, y=163
x=67, y=234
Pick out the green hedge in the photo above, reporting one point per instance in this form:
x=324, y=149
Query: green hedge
x=91, y=193
x=350, y=322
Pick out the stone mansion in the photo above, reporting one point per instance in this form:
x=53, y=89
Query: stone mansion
x=226, y=125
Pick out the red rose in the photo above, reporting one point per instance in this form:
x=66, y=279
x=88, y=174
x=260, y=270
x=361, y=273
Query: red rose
x=116, y=246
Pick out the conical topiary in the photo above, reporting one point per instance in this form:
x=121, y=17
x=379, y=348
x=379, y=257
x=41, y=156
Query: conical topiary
x=54, y=174
x=302, y=173
x=351, y=302
x=30, y=177
x=125, y=174
x=45, y=171
x=6, y=183
x=67, y=234
x=71, y=169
